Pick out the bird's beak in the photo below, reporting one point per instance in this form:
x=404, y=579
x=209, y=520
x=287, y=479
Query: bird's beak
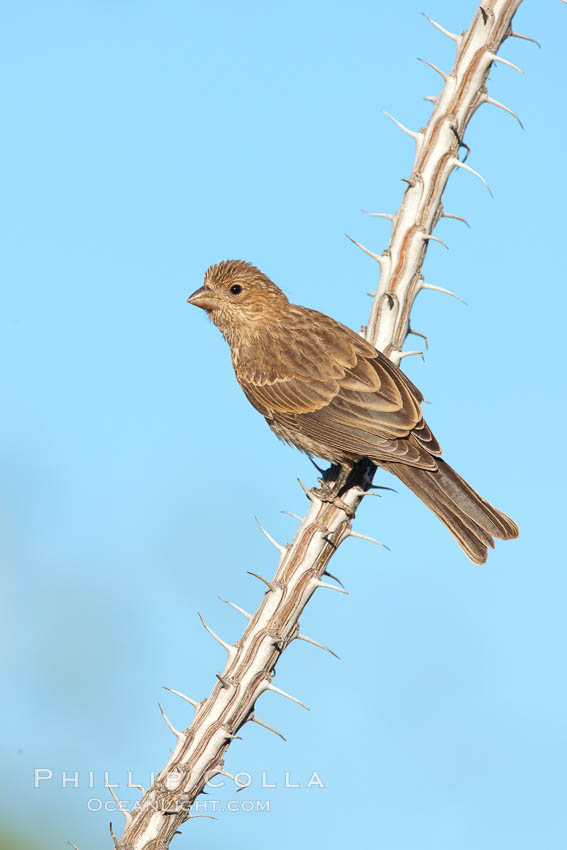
x=204, y=298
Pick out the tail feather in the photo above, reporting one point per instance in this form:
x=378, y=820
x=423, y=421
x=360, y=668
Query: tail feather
x=472, y=521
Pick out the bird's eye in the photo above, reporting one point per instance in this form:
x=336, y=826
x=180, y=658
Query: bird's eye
x=236, y=289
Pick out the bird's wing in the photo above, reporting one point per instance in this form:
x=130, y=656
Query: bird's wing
x=324, y=383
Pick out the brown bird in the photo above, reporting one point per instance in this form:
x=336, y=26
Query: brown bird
x=327, y=391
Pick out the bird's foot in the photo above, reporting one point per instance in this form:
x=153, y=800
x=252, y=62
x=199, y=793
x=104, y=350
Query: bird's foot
x=335, y=481
x=327, y=493
x=339, y=479
x=331, y=482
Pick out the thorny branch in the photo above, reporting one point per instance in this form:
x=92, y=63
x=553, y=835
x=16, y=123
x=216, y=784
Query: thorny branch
x=200, y=749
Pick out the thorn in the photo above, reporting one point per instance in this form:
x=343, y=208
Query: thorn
x=496, y=58
x=126, y=814
x=401, y=126
x=281, y=549
x=218, y=639
x=316, y=643
x=223, y=680
x=374, y=256
x=428, y=237
x=457, y=217
x=435, y=68
x=378, y=215
x=307, y=492
x=198, y=816
x=459, y=164
x=179, y=694
x=234, y=779
x=231, y=737
x=236, y=607
x=403, y=354
x=431, y=99
x=461, y=143
x=328, y=540
x=411, y=183
x=254, y=719
x=451, y=35
x=265, y=580
x=316, y=465
x=417, y=333
x=333, y=577
x=371, y=539
x=74, y=846
x=525, y=37
x=441, y=289
x=332, y=587
x=112, y=835
x=175, y=731
x=273, y=688
x=491, y=100
x=295, y=516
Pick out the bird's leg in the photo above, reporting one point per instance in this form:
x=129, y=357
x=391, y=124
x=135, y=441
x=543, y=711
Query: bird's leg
x=364, y=471
x=340, y=478
x=357, y=474
x=333, y=475
x=332, y=482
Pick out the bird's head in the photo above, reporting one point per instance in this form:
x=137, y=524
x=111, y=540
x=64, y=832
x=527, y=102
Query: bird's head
x=238, y=298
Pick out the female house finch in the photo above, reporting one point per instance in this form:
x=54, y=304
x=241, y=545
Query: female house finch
x=327, y=391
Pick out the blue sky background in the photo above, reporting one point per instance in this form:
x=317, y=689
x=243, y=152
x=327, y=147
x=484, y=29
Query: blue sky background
x=142, y=142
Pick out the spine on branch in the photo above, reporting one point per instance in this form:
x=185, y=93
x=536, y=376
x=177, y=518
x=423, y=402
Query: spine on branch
x=437, y=152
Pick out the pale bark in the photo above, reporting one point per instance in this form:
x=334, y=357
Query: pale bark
x=199, y=751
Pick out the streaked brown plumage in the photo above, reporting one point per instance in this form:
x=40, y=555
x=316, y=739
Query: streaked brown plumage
x=327, y=391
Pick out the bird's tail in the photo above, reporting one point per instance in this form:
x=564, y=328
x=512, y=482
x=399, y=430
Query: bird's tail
x=472, y=521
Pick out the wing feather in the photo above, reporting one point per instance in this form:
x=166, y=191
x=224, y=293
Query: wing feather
x=324, y=386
